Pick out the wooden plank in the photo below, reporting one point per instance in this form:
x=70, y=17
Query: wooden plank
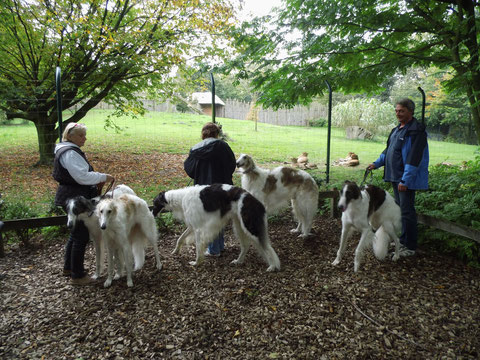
x=331, y=194
x=34, y=222
x=450, y=227
x=440, y=224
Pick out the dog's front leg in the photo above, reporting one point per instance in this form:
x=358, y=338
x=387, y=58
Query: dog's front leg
x=110, y=266
x=182, y=239
x=99, y=255
x=365, y=240
x=199, y=249
x=347, y=230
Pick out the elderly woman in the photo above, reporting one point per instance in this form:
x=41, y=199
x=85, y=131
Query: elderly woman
x=75, y=176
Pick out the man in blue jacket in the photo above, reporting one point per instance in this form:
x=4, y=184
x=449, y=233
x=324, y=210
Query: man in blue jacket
x=405, y=162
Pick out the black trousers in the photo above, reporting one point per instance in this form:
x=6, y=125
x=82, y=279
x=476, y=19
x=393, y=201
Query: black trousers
x=75, y=250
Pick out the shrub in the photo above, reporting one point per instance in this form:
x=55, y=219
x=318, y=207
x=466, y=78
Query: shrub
x=166, y=223
x=320, y=122
x=454, y=196
x=11, y=210
x=370, y=114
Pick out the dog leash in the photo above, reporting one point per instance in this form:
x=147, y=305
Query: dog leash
x=365, y=176
x=108, y=189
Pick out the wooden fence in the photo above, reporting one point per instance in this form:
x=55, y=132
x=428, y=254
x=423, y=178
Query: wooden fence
x=299, y=115
x=234, y=109
x=331, y=195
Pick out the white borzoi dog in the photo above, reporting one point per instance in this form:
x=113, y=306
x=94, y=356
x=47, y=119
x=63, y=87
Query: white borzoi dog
x=127, y=227
x=115, y=192
x=274, y=188
x=206, y=209
x=368, y=210
x=80, y=208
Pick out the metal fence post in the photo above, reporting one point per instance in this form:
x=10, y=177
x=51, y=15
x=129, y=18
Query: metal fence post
x=58, y=82
x=329, y=131
x=423, y=104
x=213, y=97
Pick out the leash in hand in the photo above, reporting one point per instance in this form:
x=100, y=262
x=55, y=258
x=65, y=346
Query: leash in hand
x=109, y=187
x=365, y=176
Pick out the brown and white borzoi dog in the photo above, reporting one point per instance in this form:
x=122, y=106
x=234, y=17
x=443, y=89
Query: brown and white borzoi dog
x=274, y=188
x=127, y=227
x=364, y=210
x=80, y=208
x=206, y=209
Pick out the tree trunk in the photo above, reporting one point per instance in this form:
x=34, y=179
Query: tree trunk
x=46, y=142
x=471, y=42
x=475, y=110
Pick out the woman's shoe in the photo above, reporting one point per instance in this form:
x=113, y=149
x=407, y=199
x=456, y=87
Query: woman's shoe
x=67, y=272
x=86, y=280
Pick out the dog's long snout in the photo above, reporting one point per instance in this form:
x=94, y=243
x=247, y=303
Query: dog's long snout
x=103, y=226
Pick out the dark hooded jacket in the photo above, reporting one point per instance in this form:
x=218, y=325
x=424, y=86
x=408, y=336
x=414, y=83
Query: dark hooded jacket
x=210, y=161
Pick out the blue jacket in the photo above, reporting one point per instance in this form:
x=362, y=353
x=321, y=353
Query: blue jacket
x=408, y=165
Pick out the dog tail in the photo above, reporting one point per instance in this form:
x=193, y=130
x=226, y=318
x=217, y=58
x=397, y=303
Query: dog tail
x=253, y=219
x=138, y=241
x=138, y=249
x=381, y=241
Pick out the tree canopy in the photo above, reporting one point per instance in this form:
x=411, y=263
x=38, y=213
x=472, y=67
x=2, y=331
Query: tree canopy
x=107, y=50
x=357, y=45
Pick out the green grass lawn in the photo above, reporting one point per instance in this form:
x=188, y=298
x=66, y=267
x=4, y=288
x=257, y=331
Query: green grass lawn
x=176, y=133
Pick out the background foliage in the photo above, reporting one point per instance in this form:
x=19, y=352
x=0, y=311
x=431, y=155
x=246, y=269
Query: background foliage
x=358, y=47
x=454, y=196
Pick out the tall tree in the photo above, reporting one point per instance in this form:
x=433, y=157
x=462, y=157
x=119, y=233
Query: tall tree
x=107, y=50
x=356, y=45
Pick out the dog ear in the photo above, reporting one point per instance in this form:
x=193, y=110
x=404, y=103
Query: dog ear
x=159, y=203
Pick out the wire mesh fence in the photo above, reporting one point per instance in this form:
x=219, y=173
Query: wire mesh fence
x=147, y=150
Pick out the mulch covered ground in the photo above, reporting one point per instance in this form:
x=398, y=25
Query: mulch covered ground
x=424, y=307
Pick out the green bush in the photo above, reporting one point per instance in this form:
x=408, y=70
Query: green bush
x=370, y=114
x=320, y=122
x=11, y=210
x=453, y=196
x=166, y=223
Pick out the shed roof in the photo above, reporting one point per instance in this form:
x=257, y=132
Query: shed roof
x=206, y=98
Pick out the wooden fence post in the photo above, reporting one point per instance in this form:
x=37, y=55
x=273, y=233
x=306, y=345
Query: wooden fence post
x=2, y=250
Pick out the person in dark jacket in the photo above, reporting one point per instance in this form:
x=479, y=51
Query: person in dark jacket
x=75, y=176
x=405, y=162
x=211, y=161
